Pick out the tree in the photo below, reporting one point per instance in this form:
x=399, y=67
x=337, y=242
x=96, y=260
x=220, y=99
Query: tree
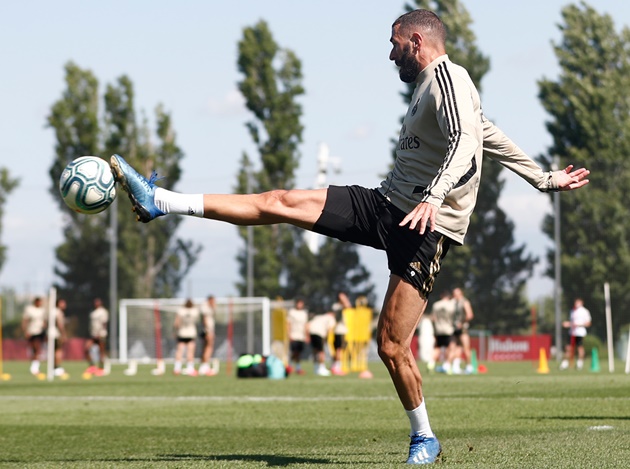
x=153, y=261
x=489, y=267
x=7, y=185
x=271, y=84
x=589, y=105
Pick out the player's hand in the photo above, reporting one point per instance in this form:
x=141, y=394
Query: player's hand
x=569, y=180
x=421, y=217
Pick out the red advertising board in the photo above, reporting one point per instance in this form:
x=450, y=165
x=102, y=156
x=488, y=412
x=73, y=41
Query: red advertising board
x=516, y=347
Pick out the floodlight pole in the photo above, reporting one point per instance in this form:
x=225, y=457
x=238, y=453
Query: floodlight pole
x=113, y=279
x=558, y=269
x=250, y=271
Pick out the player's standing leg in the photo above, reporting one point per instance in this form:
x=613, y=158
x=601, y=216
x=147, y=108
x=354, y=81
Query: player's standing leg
x=397, y=324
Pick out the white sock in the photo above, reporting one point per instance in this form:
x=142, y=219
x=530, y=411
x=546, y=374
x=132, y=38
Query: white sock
x=419, y=420
x=457, y=364
x=178, y=366
x=35, y=366
x=182, y=204
x=204, y=367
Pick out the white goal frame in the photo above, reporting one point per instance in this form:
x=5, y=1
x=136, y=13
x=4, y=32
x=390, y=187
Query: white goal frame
x=226, y=308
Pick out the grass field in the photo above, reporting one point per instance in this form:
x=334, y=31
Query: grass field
x=509, y=417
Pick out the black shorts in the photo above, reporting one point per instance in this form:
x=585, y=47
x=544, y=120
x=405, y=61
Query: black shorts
x=296, y=346
x=340, y=341
x=317, y=343
x=576, y=341
x=39, y=337
x=363, y=216
x=443, y=340
x=184, y=340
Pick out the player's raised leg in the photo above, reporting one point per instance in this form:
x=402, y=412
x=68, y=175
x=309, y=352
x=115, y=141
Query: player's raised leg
x=402, y=309
x=301, y=208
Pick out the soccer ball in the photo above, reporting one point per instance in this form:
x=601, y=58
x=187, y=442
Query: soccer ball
x=87, y=185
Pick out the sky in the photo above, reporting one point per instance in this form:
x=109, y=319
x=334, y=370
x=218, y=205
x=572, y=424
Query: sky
x=183, y=55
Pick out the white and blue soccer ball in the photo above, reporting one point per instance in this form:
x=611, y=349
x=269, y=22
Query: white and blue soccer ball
x=87, y=185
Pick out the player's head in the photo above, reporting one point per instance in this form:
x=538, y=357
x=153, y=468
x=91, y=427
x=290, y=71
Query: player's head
x=458, y=293
x=189, y=303
x=61, y=303
x=98, y=302
x=578, y=303
x=299, y=303
x=445, y=295
x=418, y=37
x=37, y=301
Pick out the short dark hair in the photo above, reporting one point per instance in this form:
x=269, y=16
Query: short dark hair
x=425, y=20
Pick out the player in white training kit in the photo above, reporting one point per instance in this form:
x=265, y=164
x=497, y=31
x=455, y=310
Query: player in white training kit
x=99, y=318
x=34, y=323
x=422, y=207
x=185, y=326
x=208, y=311
x=318, y=328
x=297, y=331
x=579, y=320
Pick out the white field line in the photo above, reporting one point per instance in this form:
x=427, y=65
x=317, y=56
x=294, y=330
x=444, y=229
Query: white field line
x=287, y=398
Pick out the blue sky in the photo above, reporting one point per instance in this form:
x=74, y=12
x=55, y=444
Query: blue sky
x=183, y=55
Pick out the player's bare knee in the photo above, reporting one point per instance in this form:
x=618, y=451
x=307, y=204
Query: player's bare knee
x=274, y=202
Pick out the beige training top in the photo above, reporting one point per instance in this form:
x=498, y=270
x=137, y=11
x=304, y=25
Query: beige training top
x=440, y=147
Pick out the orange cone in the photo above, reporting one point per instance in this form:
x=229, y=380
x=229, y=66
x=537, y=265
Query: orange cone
x=543, y=366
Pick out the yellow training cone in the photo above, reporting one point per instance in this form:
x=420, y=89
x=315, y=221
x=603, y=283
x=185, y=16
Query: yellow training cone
x=543, y=366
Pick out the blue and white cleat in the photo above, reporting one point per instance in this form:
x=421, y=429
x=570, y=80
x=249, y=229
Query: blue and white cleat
x=424, y=450
x=140, y=190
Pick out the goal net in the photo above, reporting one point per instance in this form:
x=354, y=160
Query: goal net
x=146, y=334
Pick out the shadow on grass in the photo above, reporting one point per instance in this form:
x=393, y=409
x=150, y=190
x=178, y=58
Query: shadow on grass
x=579, y=417
x=271, y=460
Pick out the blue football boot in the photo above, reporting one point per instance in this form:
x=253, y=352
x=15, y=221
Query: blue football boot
x=140, y=190
x=423, y=450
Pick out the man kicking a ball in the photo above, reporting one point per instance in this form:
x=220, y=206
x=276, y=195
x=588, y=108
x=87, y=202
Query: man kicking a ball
x=420, y=209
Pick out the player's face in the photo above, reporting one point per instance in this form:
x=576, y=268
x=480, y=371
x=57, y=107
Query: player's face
x=401, y=55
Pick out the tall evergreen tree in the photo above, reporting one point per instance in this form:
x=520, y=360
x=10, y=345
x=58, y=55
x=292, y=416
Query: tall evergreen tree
x=589, y=105
x=7, y=185
x=271, y=84
x=489, y=267
x=152, y=260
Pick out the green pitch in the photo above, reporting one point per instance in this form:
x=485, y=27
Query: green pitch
x=511, y=417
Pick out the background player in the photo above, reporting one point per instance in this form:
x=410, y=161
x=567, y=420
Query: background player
x=208, y=312
x=34, y=325
x=185, y=326
x=99, y=318
x=297, y=331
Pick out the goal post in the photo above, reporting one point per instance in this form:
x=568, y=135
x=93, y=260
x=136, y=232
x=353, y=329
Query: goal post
x=146, y=334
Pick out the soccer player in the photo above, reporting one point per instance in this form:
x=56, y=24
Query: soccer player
x=208, y=311
x=463, y=315
x=34, y=330
x=59, y=335
x=99, y=317
x=185, y=326
x=579, y=320
x=420, y=209
x=340, y=332
x=318, y=328
x=443, y=316
x=297, y=331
